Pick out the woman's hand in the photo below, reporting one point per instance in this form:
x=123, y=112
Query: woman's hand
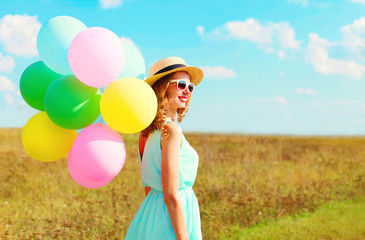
x=170, y=146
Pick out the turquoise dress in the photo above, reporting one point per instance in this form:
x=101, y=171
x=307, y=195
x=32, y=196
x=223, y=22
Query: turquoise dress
x=152, y=220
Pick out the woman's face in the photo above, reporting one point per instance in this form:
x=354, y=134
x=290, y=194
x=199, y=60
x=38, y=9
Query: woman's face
x=178, y=98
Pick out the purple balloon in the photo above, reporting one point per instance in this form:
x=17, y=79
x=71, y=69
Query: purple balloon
x=97, y=156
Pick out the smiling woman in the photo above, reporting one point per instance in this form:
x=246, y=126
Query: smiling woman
x=168, y=163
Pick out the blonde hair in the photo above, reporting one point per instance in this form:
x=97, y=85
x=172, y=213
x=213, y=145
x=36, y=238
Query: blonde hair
x=160, y=89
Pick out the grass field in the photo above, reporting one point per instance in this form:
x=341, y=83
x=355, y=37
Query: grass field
x=333, y=220
x=242, y=181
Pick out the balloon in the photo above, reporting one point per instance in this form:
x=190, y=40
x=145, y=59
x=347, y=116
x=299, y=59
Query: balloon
x=96, y=56
x=99, y=119
x=97, y=156
x=71, y=104
x=34, y=83
x=134, y=63
x=54, y=39
x=128, y=105
x=45, y=141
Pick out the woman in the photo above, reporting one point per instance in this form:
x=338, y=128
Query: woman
x=168, y=163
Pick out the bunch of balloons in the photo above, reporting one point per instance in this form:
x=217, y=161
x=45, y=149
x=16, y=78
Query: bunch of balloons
x=67, y=87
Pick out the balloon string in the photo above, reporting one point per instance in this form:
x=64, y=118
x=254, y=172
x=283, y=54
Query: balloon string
x=101, y=120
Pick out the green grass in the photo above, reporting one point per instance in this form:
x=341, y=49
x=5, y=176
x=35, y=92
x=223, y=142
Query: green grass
x=242, y=181
x=333, y=220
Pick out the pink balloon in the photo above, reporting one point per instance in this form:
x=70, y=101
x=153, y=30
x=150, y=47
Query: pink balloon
x=97, y=156
x=96, y=56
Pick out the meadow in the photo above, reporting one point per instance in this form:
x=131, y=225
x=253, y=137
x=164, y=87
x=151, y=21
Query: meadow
x=242, y=181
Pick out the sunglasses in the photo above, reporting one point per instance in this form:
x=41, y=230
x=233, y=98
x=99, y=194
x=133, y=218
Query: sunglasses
x=182, y=85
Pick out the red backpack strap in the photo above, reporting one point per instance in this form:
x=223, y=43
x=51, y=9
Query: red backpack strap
x=142, y=142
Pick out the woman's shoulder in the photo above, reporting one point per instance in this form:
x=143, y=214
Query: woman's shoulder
x=172, y=127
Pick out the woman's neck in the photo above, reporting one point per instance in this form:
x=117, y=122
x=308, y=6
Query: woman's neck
x=170, y=115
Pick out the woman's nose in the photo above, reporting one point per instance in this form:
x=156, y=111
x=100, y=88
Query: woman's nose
x=187, y=91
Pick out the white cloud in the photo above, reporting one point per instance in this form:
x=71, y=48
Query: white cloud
x=269, y=36
x=110, y=3
x=305, y=91
x=289, y=119
x=128, y=40
x=251, y=30
x=7, y=64
x=354, y=35
x=330, y=103
x=10, y=92
x=200, y=30
x=358, y=1
x=304, y=3
x=6, y=84
x=254, y=31
x=286, y=36
x=18, y=93
x=18, y=34
x=317, y=55
x=280, y=53
x=281, y=100
x=9, y=99
x=341, y=102
x=217, y=72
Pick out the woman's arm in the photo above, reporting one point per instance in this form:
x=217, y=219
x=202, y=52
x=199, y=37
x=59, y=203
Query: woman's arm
x=170, y=146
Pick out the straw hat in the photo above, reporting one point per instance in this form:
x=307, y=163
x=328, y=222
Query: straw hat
x=170, y=65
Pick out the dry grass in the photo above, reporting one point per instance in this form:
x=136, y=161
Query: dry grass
x=242, y=180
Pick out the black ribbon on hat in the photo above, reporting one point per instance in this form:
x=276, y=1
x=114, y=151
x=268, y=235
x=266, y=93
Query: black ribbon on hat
x=169, y=68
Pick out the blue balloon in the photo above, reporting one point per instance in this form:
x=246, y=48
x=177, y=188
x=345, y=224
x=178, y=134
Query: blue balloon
x=53, y=40
x=134, y=65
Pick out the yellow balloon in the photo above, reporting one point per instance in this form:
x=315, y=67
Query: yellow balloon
x=128, y=105
x=45, y=141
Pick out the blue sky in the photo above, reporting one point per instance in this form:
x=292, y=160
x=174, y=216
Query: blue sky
x=271, y=67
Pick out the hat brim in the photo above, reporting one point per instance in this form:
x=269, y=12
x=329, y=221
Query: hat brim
x=196, y=75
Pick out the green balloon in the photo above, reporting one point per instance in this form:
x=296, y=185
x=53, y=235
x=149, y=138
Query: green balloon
x=71, y=104
x=34, y=83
